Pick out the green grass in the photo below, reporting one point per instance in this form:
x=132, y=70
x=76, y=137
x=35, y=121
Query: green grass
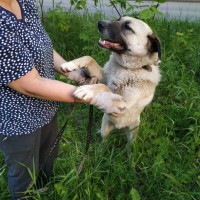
x=165, y=159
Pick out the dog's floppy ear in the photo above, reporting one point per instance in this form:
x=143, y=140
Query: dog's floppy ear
x=153, y=44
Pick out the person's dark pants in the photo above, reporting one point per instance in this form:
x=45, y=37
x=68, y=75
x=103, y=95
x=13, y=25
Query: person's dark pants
x=23, y=152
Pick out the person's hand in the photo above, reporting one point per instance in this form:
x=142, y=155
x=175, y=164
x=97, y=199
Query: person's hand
x=110, y=103
x=81, y=77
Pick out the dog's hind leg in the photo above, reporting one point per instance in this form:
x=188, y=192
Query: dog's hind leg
x=106, y=126
x=132, y=131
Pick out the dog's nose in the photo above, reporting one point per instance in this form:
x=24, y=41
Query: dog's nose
x=102, y=25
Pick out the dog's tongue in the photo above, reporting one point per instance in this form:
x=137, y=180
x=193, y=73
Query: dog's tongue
x=109, y=45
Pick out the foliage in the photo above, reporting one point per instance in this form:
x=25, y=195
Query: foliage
x=79, y=4
x=130, y=8
x=165, y=160
x=137, y=8
x=164, y=163
x=58, y=21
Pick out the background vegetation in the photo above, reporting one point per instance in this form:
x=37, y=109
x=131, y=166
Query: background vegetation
x=165, y=159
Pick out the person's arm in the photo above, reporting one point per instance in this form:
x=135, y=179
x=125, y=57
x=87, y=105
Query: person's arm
x=32, y=84
x=58, y=60
x=79, y=75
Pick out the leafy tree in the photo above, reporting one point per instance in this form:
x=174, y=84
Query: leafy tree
x=135, y=8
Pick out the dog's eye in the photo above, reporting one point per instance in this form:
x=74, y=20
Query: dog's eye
x=127, y=27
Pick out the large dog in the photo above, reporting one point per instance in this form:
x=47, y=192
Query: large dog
x=132, y=72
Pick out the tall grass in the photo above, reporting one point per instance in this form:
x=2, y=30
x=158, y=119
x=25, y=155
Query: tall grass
x=165, y=159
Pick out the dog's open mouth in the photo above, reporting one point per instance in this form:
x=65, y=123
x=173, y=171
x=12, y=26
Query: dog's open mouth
x=111, y=45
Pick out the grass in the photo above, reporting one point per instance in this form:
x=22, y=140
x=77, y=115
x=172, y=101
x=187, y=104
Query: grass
x=165, y=159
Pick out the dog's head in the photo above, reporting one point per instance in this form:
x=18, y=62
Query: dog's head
x=128, y=36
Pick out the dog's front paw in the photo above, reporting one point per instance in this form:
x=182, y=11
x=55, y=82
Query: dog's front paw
x=69, y=66
x=84, y=92
x=87, y=92
x=111, y=103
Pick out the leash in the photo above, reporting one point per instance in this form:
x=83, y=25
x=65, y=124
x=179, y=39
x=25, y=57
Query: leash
x=88, y=139
x=59, y=136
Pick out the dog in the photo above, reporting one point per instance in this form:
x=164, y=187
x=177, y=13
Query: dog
x=132, y=72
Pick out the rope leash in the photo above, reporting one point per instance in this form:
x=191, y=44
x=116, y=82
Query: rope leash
x=88, y=139
x=59, y=136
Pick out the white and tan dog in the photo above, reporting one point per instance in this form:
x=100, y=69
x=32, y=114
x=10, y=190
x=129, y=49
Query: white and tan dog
x=127, y=82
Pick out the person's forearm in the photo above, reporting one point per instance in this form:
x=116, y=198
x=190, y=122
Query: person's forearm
x=58, y=60
x=36, y=86
x=51, y=90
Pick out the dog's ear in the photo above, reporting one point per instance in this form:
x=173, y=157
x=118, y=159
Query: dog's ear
x=153, y=44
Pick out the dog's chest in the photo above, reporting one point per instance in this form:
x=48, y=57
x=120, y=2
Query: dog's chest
x=118, y=79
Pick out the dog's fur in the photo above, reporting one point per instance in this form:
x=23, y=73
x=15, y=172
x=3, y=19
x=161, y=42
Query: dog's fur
x=132, y=71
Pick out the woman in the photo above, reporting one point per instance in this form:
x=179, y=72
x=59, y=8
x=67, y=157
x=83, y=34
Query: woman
x=29, y=93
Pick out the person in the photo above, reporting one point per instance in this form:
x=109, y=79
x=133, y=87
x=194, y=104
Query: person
x=30, y=95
